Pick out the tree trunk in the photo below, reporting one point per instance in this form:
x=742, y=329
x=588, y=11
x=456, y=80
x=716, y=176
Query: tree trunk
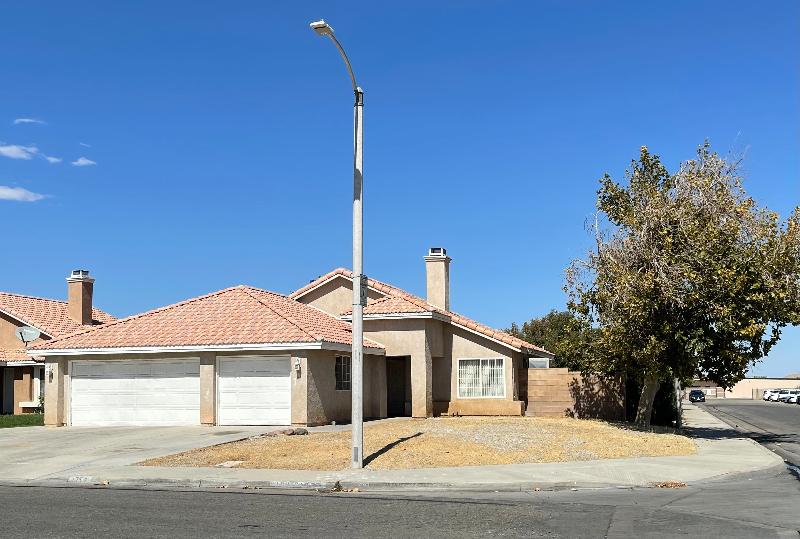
x=645, y=409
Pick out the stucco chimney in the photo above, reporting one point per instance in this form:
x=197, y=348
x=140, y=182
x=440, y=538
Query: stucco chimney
x=437, y=266
x=81, y=288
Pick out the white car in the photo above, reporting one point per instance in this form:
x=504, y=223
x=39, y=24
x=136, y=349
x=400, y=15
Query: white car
x=793, y=395
x=783, y=395
x=771, y=394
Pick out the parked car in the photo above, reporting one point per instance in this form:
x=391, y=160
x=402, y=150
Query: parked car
x=771, y=394
x=697, y=395
x=793, y=394
x=783, y=395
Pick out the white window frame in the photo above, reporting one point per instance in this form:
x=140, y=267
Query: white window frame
x=484, y=363
x=349, y=381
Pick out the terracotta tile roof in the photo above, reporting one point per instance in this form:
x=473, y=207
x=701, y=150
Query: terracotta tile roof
x=238, y=315
x=399, y=301
x=14, y=356
x=393, y=305
x=47, y=315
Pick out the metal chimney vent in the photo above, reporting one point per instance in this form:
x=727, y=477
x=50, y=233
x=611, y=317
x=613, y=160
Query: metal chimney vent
x=437, y=251
x=80, y=274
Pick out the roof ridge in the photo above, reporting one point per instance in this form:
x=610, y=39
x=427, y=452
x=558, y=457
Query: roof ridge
x=33, y=297
x=286, y=317
x=136, y=316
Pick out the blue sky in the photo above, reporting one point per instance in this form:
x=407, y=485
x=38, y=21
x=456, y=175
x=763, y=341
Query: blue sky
x=221, y=138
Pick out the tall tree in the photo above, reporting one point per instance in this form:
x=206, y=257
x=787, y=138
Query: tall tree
x=689, y=275
x=556, y=332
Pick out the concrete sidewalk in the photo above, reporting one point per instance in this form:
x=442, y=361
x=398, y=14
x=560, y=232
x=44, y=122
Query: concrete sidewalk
x=720, y=452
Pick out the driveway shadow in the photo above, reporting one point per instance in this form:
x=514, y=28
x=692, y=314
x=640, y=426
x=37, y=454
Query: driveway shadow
x=385, y=449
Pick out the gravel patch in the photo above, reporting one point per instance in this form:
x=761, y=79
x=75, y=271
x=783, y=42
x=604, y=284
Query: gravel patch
x=442, y=442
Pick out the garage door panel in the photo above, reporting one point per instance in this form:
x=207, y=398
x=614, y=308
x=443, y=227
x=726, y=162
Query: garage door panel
x=142, y=392
x=254, y=391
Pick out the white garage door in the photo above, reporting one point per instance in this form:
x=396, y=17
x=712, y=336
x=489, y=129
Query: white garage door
x=255, y=391
x=141, y=392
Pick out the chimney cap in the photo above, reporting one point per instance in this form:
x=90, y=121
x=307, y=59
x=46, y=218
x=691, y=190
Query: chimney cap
x=79, y=276
x=437, y=251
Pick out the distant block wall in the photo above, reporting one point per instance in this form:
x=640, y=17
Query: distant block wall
x=561, y=392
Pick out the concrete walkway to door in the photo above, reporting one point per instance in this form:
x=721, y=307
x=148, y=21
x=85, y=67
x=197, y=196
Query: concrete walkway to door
x=41, y=453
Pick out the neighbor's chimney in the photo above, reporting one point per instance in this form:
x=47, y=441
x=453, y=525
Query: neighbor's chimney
x=81, y=287
x=437, y=265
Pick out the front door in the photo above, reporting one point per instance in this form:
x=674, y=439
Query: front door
x=395, y=387
x=8, y=390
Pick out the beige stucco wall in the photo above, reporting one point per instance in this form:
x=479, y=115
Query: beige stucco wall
x=409, y=337
x=208, y=388
x=54, y=394
x=7, y=338
x=335, y=296
x=326, y=403
x=744, y=389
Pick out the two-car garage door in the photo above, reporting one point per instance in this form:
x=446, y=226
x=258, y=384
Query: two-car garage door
x=140, y=392
x=251, y=391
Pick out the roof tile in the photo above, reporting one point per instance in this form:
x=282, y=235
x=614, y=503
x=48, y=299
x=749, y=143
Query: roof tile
x=47, y=315
x=399, y=301
x=238, y=315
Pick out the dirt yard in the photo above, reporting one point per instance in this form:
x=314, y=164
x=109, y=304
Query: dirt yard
x=439, y=442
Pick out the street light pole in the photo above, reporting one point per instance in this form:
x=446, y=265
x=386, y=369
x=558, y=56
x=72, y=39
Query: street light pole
x=359, y=279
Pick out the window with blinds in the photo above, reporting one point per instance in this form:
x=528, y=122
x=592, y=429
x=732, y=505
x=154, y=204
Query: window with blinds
x=481, y=378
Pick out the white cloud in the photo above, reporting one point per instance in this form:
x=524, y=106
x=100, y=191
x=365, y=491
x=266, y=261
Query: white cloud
x=84, y=144
x=83, y=162
x=19, y=194
x=15, y=151
x=53, y=159
x=28, y=121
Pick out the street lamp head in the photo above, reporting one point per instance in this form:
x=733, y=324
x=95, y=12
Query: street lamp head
x=322, y=28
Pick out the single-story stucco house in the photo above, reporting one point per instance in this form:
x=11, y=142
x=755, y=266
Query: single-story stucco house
x=22, y=376
x=246, y=356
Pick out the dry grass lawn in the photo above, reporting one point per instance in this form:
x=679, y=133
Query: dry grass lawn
x=440, y=442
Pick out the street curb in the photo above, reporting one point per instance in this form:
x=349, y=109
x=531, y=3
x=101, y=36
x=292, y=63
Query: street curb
x=326, y=486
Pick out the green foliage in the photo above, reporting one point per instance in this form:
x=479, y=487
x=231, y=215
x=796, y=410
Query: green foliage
x=22, y=420
x=555, y=332
x=689, y=275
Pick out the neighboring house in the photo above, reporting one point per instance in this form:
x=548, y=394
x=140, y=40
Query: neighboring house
x=437, y=361
x=245, y=356
x=22, y=376
x=240, y=356
x=749, y=388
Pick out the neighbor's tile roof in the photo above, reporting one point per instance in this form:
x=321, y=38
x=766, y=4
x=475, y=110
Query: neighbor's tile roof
x=238, y=315
x=47, y=315
x=399, y=301
x=14, y=356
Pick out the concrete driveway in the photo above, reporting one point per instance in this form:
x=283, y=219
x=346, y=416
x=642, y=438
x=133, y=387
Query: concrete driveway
x=37, y=453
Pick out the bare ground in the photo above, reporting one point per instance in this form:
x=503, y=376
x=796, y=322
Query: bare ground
x=442, y=442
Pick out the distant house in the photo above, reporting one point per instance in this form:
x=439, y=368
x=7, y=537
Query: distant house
x=246, y=356
x=23, y=376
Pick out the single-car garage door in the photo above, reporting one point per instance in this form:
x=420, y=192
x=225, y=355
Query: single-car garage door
x=140, y=392
x=254, y=391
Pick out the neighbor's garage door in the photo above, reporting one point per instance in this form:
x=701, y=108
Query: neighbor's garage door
x=142, y=392
x=255, y=391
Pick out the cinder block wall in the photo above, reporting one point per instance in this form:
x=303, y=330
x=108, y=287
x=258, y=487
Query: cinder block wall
x=561, y=392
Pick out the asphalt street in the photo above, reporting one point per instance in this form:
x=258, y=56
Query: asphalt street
x=773, y=424
x=763, y=505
